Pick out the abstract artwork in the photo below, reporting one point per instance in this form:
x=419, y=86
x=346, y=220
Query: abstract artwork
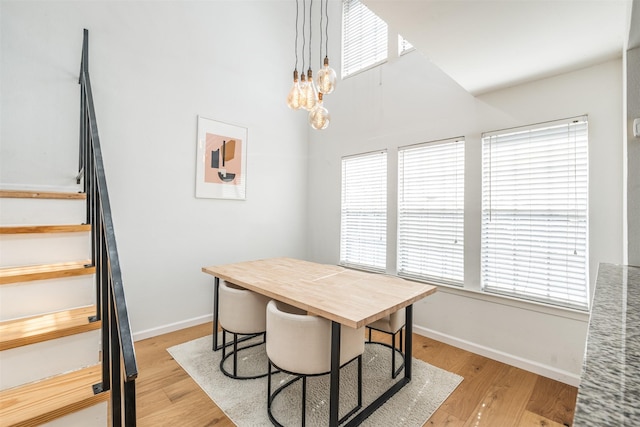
x=221, y=169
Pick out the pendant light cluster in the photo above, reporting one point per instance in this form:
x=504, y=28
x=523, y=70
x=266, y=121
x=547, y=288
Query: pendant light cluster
x=306, y=93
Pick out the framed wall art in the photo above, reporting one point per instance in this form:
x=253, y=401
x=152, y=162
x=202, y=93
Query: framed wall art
x=221, y=168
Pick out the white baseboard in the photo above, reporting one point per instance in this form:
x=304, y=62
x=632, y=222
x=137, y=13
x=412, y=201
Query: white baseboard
x=172, y=327
x=519, y=362
x=538, y=368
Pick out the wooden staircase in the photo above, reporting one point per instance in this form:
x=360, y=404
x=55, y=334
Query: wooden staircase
x=50, y=398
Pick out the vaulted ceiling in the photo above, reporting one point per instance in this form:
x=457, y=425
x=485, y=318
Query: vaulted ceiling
x=489, y=44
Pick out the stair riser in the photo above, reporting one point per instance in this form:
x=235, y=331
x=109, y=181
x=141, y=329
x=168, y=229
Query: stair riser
x=42, y=360
x=96, y=415
x=44, y=296
x=31, y=249
x=41, y=211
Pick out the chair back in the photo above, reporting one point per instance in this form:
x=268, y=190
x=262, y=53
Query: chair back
x=301, y=343
x=241, y=310
x=391, y=323
x=396, y=320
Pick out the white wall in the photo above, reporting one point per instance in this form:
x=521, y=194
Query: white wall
x=156, y=66
x=409, y=100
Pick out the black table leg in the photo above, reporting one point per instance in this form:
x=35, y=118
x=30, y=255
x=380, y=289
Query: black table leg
x=216, y=291
x=334, y=391
x=397, y=386
x=408, y=343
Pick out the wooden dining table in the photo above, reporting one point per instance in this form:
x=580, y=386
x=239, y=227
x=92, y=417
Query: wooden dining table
x=344, y=296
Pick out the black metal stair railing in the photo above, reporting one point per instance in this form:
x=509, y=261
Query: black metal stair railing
x=118, y=353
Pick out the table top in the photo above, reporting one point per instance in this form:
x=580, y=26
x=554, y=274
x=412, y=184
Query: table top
x=351, y=297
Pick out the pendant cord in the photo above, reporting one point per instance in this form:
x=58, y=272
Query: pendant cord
x=310, y=26
x=326, y=30
x=320, y=53
x=304, y=34
x=296, y=44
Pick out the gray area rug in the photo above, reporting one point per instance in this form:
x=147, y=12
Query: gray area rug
x=245, y=401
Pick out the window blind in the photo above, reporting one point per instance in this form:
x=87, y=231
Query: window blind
x=364, y=38
x=431, y=211
x=534, y=213
x=363, y=225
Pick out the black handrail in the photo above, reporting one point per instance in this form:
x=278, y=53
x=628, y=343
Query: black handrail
x=117, y=342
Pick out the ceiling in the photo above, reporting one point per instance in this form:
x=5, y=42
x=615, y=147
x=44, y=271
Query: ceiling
x=490, y=44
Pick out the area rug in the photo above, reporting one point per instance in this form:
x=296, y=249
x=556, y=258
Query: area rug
x=245, y=401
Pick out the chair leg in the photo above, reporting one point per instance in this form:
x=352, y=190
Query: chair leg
x=224, y=343
x=393, y=356
x=269, y=384
x=357, y=406
x=395, y=372
x=304, y=399
x=235, y=346
x=360, y=381
x=394, y=348
x=235, y=355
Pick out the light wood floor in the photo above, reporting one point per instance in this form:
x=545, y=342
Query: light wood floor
x=492, y=393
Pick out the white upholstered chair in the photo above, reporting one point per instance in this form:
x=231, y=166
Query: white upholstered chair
x=241, y=313
x=392, y=325
x=300, y=344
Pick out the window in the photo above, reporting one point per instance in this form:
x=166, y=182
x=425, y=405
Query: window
x=534, y=213
x=403, y=45
x=363, y=225
x=364, y=38
x=431, y=211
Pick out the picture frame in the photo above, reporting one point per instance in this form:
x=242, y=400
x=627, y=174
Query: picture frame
x=221, y=160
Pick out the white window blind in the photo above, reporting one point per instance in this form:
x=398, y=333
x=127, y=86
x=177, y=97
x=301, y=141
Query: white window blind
x=534, y=213
x=431, y=211
x=364, y=38
x=363, y=225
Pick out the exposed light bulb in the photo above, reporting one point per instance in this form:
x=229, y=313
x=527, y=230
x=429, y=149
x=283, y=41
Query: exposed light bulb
x=326, y=80
x=293, y=99
x=311, y=93
x=303, y=91
x=319, y=116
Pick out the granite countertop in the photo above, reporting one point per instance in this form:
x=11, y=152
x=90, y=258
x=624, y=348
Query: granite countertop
x=609, y=393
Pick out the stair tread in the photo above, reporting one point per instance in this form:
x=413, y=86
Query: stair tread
x=30, y=330
x=45, y=271
x=30, y=194
x=40, y=268
x=32, y=229
x=45, y=400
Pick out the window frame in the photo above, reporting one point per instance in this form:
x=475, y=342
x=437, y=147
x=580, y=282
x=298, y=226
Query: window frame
x=365, y=194
x=549, y=208
x=351, y=66
x=442, y=207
